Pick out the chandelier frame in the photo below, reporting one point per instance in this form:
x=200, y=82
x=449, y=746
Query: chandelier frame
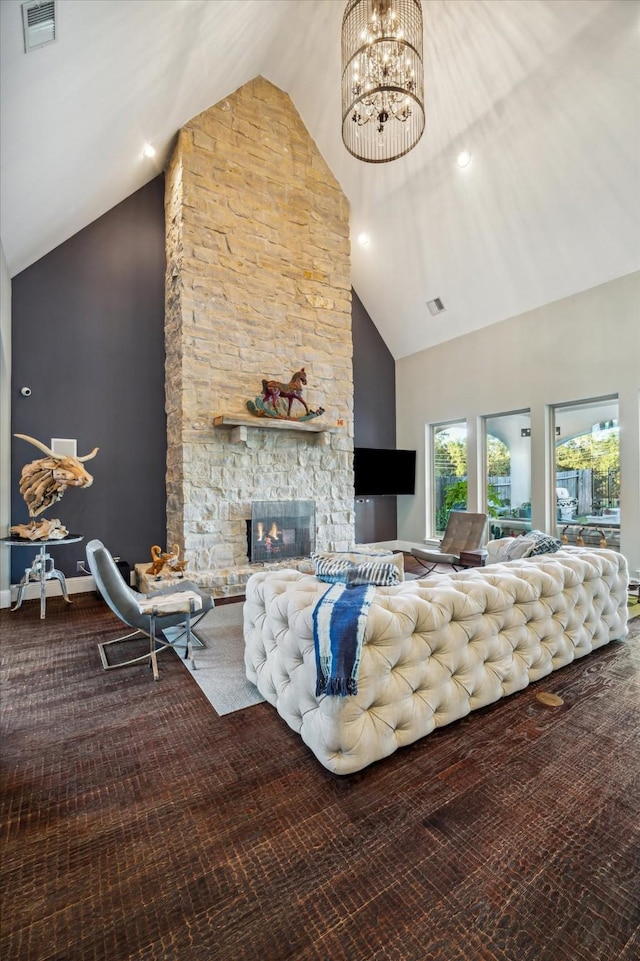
x=383, y=114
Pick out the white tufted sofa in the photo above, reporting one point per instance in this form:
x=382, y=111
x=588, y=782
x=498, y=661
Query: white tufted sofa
x=434, y=650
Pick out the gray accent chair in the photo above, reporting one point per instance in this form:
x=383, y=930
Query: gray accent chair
x=465, y=532
x=171, y=610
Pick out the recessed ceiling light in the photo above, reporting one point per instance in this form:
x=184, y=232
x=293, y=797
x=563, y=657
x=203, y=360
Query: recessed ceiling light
x=363, y=239
x=149, y=150
x=463, y=159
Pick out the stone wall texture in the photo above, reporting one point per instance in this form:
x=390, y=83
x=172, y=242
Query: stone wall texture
x=258, y=285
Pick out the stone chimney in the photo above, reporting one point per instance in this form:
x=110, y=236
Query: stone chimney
x=258, y=285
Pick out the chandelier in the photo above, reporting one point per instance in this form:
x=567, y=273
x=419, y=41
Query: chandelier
x=382, y=78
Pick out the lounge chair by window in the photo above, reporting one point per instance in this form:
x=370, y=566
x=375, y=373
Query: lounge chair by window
x=465, y=532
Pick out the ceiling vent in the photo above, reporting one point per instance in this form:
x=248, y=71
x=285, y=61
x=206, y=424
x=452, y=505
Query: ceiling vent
x=38, y=23
x=435, y=306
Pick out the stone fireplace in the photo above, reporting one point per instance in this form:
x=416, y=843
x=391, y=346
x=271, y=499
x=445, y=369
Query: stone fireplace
x=257, y=286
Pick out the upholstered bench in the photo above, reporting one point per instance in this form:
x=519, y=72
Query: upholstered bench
x=434, y=648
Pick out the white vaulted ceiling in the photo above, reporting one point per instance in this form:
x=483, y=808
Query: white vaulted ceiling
x=544, y=93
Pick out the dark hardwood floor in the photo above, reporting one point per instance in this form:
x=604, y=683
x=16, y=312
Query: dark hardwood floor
x=137, y=824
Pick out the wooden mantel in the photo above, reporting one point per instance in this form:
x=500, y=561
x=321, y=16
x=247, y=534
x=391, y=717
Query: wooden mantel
x=240, y=422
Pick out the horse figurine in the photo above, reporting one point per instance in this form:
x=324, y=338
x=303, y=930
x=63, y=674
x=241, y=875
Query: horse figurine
x=274, y=389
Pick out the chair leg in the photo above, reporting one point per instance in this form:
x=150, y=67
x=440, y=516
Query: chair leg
x=428, y=569
x=189, y=641
x=119, y=640
x=189, y=647
x=152, y=647
x=156, y=644
x=195, y=640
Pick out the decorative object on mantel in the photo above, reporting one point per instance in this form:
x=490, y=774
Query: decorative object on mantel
x=382, y=78
x=161, y=559
x=43, y=530
x=274, y=392
x=42, y=483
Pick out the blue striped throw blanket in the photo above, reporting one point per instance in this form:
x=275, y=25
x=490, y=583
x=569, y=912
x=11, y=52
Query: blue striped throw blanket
x=339, y=621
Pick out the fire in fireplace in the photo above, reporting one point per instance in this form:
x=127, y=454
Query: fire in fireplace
x=281, y=529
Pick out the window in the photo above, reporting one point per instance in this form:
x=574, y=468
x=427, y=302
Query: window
x=449, y=460
x=508, y=472
x=587, y=471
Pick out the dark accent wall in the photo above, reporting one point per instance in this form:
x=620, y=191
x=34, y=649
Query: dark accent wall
x=374, y=401
x=88, y=340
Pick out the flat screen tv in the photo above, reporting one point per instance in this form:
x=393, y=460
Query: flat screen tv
x=384, y=471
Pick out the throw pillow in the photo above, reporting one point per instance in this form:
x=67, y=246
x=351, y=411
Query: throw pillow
x=331, y=568
x=530, y=544
x=497, y=549
x=543, y=543
x=356, y=557
x=340, y=570
x=380, y=574
x=519, y=547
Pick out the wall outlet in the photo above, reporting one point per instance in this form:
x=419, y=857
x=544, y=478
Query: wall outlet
x=80, y=566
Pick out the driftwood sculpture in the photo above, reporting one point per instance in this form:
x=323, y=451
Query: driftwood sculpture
x=44, y=530
x=158, y=559
x=177, y=566
x=44, y=481
x=161, y=559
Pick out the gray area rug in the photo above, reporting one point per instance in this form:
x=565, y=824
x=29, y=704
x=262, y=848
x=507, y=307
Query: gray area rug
x=220, y=664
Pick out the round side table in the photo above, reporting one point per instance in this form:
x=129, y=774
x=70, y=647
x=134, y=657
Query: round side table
x=42, y=568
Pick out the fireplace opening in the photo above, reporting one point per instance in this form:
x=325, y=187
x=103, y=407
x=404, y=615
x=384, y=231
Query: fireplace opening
x=281, y=529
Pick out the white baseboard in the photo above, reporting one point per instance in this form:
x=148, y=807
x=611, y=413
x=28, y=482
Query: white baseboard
x=75, y=585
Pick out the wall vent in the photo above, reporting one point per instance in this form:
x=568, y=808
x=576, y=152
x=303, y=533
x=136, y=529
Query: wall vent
x=435, y=306
x=38, y=23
